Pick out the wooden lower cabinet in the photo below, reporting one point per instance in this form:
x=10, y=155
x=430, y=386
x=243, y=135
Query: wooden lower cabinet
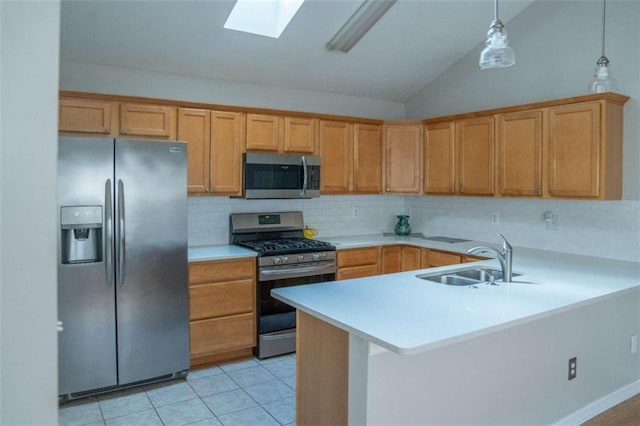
x=398, y=258
x=358, y=262
x=222, y=309
x=431, y=258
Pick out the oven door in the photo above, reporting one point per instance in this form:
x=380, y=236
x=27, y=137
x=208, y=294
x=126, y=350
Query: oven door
x=274, y=315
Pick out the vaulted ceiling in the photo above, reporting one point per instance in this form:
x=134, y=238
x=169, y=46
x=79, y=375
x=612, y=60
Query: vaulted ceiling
x=412, y=44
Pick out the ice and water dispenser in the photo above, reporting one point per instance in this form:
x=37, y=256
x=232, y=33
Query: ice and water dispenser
x=81, y=234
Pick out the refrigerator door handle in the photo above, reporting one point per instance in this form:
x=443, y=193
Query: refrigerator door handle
x=121, y=235
x=108, y=206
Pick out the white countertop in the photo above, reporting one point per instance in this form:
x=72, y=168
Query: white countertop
x=409, y=315
x=220, y=252
x=215, y=252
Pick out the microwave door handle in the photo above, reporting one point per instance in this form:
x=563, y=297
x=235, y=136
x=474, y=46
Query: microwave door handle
x=305, y=177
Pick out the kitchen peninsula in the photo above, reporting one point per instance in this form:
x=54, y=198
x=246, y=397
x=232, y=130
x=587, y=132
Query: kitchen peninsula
x=396, y=349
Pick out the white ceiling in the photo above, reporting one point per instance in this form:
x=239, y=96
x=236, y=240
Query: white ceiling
x=411, y=45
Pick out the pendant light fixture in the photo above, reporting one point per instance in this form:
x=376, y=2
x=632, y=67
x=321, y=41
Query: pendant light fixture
x=497, y=54
x=603, y=81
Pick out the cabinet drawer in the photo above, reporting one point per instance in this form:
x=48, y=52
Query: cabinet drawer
x=356, y=257
x=222, y=334
x=220, y=299
x=357, y=272
x=441, y=258
x=221, y=270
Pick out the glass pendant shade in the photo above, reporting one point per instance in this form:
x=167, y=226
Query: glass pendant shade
x=603, y=81
x=498, y=53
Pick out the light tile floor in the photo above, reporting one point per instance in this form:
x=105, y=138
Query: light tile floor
x=249, y=392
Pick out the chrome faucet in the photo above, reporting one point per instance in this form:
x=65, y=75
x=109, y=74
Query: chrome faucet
x=505, y=257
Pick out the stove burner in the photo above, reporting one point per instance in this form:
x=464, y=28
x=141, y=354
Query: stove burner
x=286, y=246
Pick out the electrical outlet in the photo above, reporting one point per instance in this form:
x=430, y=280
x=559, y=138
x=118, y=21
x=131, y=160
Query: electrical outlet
x=355, y=212
x=634, y=344
x=495, y=218
x=573, y=368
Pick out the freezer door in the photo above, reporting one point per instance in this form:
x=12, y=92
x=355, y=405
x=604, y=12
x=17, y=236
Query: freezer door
x=151, y=259
x=86, y=297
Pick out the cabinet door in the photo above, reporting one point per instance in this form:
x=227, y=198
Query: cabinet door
x=439, y=159
x=86, y=116
x=336, y=152
x=519, y=162
x=263, y=132
x=443, y=258
x=227, y=141
x=391, y=260
x=403, y=158
x=574, y=150
x=411, y=257
x=367, y=161
x=218, y=335
x=148, y=121
x=300, y=135
x=194, y=128
x=474, y=138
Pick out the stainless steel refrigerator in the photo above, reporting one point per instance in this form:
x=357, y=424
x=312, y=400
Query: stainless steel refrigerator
x=122, y=263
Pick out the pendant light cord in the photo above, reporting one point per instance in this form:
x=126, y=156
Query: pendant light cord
x=604, y=20
x=495, y=9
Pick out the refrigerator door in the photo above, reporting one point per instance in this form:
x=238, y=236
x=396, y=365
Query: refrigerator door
x=86, y=297
x=151, y=259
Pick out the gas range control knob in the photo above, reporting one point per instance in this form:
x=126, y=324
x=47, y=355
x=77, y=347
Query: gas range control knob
x=277, y=260
x=316, y=256
x=285, y=259
x=300, y=257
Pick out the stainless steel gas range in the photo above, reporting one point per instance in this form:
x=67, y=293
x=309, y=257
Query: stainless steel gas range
x=285, y=258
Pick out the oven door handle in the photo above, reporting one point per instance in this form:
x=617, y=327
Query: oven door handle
x=305, y=271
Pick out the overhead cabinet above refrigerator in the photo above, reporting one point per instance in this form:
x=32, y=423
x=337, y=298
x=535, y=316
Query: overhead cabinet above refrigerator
x=122, y=263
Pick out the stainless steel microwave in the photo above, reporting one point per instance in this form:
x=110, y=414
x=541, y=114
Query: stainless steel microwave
x=281, y=175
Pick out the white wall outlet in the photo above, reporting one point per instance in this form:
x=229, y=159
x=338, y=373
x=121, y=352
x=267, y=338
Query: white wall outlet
x=495, y=218
x=552, y=222
x=355, y=212
x=634, y=344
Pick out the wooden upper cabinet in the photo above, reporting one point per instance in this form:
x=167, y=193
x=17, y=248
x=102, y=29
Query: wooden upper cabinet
x=519, y=153
x=148, y=121
x=194, y=127
x=367, y=161
x=301, y=135
x=439, y=159
x=336, y=153
x=474, y=138
x=403, y=158
x=263, y=132
x=215, y=140
x=87, y=116
x=227, y=142
x=584, y=160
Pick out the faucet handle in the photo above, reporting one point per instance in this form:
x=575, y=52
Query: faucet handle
x=505, y=244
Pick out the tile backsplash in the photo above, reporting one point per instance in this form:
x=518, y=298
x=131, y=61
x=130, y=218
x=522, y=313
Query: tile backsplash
x=596, y=228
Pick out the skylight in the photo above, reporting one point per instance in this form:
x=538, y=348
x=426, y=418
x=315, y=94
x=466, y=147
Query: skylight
x=263, y=17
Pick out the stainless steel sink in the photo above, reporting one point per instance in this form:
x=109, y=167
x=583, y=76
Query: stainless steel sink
x=465, y=276
x=450, y=279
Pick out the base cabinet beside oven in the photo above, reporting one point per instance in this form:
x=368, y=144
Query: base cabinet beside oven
x=222, y=300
